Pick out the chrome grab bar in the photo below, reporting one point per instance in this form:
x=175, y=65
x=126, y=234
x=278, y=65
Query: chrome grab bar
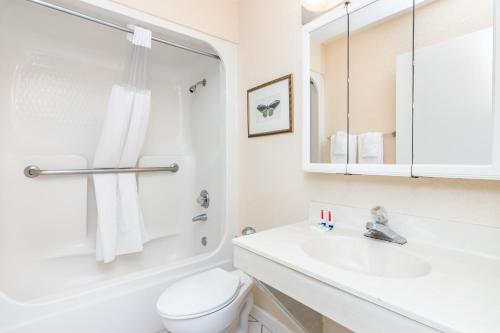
x=32, y=171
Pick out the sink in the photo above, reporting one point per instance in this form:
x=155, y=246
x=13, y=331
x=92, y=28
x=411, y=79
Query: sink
x=366, y=256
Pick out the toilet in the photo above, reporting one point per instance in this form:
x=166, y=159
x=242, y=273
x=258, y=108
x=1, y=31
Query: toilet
x=215, y=301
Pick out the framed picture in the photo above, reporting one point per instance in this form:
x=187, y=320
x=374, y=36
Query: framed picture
x=270, y=107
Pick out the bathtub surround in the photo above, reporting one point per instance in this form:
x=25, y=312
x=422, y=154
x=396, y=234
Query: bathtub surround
x=120, y=226
x=57, y=126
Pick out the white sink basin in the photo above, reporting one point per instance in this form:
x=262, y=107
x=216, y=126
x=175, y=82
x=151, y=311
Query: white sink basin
x=366, y=256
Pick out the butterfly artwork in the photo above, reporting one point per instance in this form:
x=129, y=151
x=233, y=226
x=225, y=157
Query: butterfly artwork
x=270, y=107
x=268, y=110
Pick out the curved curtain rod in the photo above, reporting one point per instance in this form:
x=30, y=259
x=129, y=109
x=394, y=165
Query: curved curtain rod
x=117, y=27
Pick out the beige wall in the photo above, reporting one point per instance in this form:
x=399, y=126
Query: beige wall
x=335, y=115
x=318, y=56
x=218, y=18
x=272, y=188
x=271, y=184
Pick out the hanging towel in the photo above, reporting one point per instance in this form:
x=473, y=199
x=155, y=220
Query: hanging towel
x=338, y=148
x=120, y=228
x=371, y=148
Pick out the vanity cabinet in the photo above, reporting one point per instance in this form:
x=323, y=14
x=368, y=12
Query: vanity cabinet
x=403, y=88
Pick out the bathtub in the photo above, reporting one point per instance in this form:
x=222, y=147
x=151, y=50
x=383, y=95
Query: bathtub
x=125, y=304
x=49, y=278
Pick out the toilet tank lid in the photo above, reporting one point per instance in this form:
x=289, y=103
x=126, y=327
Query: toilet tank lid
x=199, y=294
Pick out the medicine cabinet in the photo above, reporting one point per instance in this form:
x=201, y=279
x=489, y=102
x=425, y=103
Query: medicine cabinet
x=403, y=88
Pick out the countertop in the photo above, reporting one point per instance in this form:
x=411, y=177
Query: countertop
x=461, y=293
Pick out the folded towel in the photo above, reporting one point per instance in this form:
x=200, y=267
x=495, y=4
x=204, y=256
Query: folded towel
x=338, y=148
x=371, y=148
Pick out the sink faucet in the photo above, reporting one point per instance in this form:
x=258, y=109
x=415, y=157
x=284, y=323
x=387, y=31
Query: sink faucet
x=378, y=229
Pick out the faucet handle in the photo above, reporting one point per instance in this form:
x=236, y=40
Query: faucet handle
x=203, y=199
x=379, y=215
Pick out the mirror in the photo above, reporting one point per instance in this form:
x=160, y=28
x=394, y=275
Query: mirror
x=328, y=93
x=380, y=42
x=403, y=88
x=453, y=117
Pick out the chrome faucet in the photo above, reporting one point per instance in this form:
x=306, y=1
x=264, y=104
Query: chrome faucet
x=199, y=218
x=203, y=199
x=378, y=229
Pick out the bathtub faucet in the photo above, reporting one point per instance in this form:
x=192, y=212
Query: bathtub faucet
x=199, y=218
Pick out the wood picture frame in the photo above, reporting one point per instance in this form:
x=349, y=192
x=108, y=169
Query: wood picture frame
x=270, y=107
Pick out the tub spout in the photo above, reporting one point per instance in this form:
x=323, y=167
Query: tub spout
x=199, y=218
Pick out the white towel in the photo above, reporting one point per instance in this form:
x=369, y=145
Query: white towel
x=371, y=148
x=120, y=227
x=338, y=148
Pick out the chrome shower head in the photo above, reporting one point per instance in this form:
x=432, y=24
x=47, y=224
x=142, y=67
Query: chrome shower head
x=192, y=89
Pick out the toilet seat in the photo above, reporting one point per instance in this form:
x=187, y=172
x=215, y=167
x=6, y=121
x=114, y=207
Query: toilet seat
x=199, y=295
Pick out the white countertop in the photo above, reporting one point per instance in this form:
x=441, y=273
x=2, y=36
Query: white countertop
x=460, y=294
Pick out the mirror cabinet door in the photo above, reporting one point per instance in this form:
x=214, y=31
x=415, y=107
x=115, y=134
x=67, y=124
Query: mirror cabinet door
x=380, y=53
x=406, y=88
x=328, y=95
x=453, y=115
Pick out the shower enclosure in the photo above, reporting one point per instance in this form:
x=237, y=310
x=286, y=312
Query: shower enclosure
x=56, y=73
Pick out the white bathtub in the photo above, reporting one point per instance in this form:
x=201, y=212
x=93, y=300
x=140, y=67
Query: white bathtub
x=126, y=304
x=49, y=279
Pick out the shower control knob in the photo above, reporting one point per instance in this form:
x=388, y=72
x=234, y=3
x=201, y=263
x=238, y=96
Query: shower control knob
x=203, y=199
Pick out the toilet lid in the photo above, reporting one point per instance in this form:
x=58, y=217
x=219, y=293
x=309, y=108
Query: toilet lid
x=199, y=294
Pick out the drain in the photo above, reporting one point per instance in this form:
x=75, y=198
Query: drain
x=204, y=241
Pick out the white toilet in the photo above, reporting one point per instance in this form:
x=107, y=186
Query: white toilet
x=215, y=301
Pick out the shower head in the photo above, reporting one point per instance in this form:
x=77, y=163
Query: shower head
x=192, y=89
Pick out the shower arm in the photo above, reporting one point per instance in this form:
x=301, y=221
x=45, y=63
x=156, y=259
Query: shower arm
x=33, y=171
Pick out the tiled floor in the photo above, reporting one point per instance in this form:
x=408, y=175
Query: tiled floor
x=254, y=326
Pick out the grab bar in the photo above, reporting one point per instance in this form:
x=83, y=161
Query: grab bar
x=32, y=171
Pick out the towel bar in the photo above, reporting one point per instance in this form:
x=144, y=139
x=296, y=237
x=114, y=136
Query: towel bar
x=32, y=171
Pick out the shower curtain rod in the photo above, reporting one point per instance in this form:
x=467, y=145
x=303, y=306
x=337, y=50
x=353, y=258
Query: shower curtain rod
x=117, y=27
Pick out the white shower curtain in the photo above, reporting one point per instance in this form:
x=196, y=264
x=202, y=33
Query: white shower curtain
x=120, y=228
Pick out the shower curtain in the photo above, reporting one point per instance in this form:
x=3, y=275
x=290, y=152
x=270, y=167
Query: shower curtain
x=120, y=227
